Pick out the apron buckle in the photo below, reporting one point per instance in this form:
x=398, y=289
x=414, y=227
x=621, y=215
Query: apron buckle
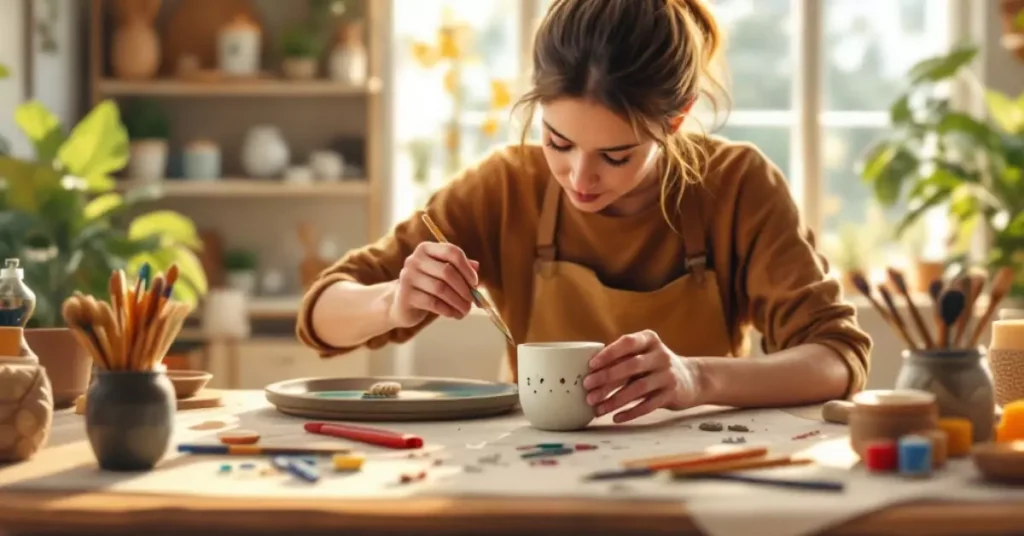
x=696, y=266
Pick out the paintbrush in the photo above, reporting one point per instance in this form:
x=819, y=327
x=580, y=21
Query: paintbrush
x=973, y=284
x=898, y=281
x=897, y=319
x=1000, y=287
x=951, y=306
x=862, y=285
x=478, y=298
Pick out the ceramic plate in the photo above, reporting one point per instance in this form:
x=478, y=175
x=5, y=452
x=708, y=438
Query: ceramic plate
x=420, y=399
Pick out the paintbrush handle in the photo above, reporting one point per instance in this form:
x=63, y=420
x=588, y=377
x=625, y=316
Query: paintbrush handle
x=919, y=323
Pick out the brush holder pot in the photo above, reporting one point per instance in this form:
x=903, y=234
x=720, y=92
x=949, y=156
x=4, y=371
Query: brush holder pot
x=129, y=418
x=960, y=381
x=26, y=408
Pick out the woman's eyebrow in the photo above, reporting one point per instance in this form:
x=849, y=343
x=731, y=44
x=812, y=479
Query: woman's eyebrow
x=603, y=149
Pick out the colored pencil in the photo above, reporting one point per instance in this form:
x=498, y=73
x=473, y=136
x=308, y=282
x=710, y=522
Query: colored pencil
x=723, y=466
x=695, y=458
x=364, y=434
x=256, y=450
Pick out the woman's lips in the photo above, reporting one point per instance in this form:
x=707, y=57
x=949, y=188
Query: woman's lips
x=585, y=198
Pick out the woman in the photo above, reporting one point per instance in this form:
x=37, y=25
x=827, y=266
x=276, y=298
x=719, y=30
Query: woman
x=622, y=228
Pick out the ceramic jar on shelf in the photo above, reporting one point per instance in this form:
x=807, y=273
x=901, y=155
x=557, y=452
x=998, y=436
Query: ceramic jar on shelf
x=265, y=152
x=348, y=62
x=238, y=48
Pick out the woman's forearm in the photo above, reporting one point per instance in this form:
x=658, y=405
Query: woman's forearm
x=805, y=374
x=348, y=314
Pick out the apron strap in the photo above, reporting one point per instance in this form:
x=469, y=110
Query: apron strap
x=548, y=222
x=693, y=235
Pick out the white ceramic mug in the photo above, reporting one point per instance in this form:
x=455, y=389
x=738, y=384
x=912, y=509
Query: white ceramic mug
x=551, y=389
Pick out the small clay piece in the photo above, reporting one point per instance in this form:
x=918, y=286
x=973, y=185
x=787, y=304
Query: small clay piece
x=413, y=477
x=472, y=469
x=383, y=390
x=807, y=435
x=238, y=437
x=739, y=439
x=836, y=411
x=738, y=428
x=544, y=461
x=711, y=426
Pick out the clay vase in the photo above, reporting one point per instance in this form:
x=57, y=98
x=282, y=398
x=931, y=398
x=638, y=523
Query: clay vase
x=887, y=415
x=961, y=384
x=129, y=418
x=135, y=46
x=67, y=364
x=26, y=408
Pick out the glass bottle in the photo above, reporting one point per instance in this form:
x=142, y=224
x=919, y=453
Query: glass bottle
x=17, y=301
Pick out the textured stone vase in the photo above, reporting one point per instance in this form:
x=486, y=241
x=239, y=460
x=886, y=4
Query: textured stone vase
x=26, y=409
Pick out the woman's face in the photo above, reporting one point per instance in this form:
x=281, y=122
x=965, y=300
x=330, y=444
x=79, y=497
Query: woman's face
x=597, y=158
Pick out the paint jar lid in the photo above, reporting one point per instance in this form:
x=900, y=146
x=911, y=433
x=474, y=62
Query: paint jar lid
x=12, y=269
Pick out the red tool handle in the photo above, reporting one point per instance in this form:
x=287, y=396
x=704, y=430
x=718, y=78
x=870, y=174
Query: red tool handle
x=373, y=436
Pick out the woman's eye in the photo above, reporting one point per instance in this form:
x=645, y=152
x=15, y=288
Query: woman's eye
x=559, y=148
x=616, y=162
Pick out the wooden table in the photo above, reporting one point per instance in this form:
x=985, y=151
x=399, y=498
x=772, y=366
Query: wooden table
x=87, y=513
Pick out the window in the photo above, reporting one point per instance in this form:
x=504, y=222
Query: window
x=810, y=83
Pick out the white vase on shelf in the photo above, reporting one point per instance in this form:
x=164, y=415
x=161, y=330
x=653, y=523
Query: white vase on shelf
x=265, y=153
x=348, y=62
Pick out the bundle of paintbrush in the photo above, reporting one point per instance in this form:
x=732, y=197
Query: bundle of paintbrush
x=136, y=328
x=953, y=303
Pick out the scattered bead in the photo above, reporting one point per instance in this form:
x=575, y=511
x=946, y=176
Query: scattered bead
x=881, y=456
x=738, y=428
x=584, y=446
x=248, y=465
x=225, y=468
x=734, y=440
x=959, y=435
x=544, y=461
x=413, y=477
x=915, y=455
x=711, y=426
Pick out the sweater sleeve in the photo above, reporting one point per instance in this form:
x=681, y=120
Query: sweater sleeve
x=468, y=211
x=782, y=278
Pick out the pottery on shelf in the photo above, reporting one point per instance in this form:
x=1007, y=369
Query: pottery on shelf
x=299, y=68
x=201, y=160
x=327, y=165
x=348, y=62
x=238, y=47
x=26, y=408
x=135, y=46
x=147, y=161
x=265, y=153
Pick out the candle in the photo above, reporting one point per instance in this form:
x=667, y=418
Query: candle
x=1007, y=334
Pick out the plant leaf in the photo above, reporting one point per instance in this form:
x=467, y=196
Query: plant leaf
x=4, y=72
x=41, y=127
x=941, y=67
x=102, y=206
x=28, y=185
x=899, y=112
x=1006, y=112
x=98, y=145
x=168, y=224
x=142, y=194
x=918, y=210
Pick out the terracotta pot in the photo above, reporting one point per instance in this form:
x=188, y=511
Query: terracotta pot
x=67, y=363
x=883, y=415
x=922, y=273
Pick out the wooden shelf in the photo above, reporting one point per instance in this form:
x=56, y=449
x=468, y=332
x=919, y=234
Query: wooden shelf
x=244, y=188
x=268, y=308
x=231, y=88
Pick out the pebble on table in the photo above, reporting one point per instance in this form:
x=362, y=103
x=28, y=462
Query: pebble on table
x=711, y=426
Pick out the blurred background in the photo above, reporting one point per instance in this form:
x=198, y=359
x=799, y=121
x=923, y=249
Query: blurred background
x=279, y=134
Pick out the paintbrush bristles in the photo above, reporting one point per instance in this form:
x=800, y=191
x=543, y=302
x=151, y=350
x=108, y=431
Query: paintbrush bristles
x=131, y=332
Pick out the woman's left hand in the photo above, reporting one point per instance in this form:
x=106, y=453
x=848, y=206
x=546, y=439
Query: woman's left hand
x=646, y=371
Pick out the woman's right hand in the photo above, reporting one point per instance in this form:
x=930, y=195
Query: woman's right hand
x=436, y=278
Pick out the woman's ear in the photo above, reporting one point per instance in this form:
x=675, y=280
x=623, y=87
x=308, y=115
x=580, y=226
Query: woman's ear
x=677, y=121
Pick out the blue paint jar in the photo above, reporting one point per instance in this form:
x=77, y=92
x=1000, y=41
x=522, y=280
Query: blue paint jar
x=915, y=455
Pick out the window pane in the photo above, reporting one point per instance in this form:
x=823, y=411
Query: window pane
x=427, y=80
x=772, y=141
x=870, y=44
x=758, y=58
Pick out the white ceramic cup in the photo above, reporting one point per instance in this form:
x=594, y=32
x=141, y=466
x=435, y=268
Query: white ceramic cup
x=551, y=389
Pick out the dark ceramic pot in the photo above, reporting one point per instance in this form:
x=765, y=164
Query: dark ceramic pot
x=129, y=418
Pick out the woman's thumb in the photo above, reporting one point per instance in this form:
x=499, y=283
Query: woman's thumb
x=474, y=264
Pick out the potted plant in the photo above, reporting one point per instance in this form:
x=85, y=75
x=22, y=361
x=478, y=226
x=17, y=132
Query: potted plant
x=149, y=130
x=938, y=157
x=240, y=269
x=300, y=48
x=60, y=215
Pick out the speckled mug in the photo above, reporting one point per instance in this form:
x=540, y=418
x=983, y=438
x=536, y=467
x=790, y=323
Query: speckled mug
x=551, y=391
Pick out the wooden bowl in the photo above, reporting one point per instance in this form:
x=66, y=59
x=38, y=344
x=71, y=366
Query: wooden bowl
x=188, y=382
x=1000, y=462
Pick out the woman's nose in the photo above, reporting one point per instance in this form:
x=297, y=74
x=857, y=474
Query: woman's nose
x=583, y=174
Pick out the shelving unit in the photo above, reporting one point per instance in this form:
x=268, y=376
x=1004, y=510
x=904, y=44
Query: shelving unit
x=312, y=113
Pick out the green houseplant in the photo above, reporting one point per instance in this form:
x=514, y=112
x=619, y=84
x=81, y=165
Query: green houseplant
x=149, y=130
x=60, y=214
x=936, y=156
x=240, y=266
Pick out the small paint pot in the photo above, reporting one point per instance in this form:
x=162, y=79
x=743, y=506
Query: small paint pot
x=129, y=418
x=888, y=415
